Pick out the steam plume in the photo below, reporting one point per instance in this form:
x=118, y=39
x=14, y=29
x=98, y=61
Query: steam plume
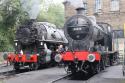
x=32, y=7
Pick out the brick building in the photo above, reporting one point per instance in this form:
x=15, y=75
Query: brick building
x=109, y=11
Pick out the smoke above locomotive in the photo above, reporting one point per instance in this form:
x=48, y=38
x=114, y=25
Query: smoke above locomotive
x=83, y=31
x=32, y=7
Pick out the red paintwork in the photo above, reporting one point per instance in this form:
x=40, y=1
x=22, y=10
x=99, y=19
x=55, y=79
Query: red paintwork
x=98, y=56
x=10, y=57
x=22, y=58
x=79, y=55
x=67, y=56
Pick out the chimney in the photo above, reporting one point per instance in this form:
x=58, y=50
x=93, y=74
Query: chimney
x=30, y=21
x=80, y=10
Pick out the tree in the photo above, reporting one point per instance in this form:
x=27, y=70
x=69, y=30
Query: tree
x=11, y=15
x=54, y=14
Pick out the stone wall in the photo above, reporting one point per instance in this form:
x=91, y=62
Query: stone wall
x=116, y=19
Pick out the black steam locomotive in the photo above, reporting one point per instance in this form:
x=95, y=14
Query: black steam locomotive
x=36, y=44
x=90, y=46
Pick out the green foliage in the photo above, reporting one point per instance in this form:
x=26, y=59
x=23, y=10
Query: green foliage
x=11, y=15
x=3, y=42
x=55, y=15
x=11, y=12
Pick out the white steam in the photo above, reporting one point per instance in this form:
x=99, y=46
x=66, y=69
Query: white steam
x=32, y=7
x=76, y=3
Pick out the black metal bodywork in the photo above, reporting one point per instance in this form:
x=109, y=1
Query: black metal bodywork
x=40, y=38
x=85, y=34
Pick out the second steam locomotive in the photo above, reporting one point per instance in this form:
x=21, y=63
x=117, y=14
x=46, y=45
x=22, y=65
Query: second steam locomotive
x=90, y=46
x=36, y=44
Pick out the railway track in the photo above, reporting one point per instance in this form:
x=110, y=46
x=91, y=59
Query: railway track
x=8, y=72
x=58, y=79
x=4, y=66
x=5, y=69
x=68, y=77
x=73, y=79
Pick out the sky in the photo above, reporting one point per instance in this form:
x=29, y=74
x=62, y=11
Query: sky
x=76, y=3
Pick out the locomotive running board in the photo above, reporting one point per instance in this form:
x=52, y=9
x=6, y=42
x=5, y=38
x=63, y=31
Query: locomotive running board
x=52, y=41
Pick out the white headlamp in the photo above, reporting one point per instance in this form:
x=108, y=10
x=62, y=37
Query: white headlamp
x=91, y=57
x=58, y=58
